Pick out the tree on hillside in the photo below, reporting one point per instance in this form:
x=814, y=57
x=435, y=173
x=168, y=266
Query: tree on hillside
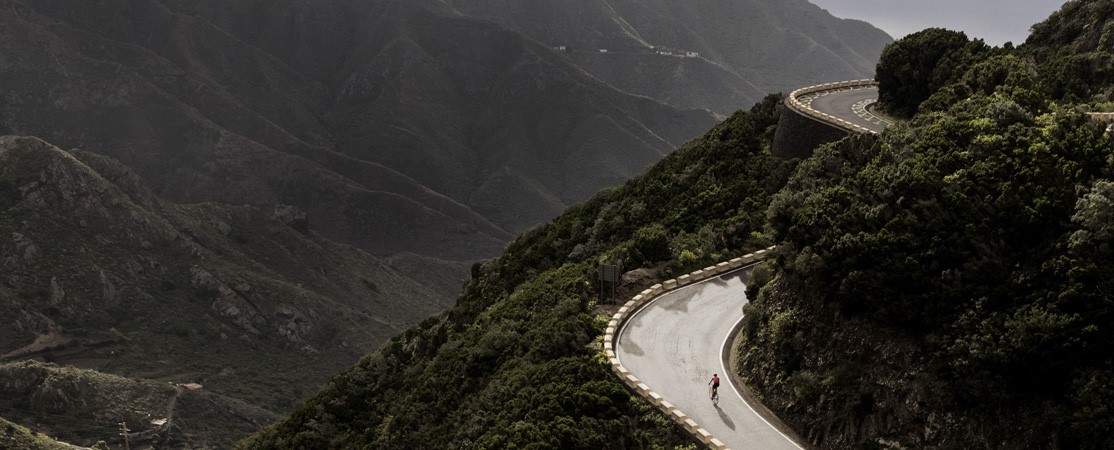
x=914, y=67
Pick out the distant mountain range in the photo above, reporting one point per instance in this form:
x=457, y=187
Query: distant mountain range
x=438, y=128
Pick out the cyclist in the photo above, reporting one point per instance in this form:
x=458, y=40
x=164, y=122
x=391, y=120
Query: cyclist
x=715, y=385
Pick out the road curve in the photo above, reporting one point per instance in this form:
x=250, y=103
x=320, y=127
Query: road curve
x=674, y=344
x=851, y=105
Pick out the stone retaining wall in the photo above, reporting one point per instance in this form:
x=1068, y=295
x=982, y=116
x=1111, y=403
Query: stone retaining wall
x=801, y=129
x=798, y=135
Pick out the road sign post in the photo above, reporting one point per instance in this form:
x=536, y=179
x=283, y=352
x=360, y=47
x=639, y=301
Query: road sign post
x=610, y=273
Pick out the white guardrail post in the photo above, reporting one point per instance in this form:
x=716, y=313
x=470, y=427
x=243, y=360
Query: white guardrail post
x=1102, y=117
x=636, y=385
x=795, y=103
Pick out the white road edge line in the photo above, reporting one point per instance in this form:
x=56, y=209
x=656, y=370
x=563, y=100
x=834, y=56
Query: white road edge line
x=723, y=366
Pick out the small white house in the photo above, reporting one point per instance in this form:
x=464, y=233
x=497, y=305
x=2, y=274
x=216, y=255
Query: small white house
x=561, y=48
x=691, y=54
x=603, y=50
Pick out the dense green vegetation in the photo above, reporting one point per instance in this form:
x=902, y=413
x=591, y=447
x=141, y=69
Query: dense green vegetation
x=1067, y=59
x=949, y=283
x=516, y=363
x=1074, y=50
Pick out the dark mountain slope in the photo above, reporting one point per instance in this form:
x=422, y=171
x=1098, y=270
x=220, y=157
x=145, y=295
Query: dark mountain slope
x=173, y=105
x=99, y=272
x=396, y=129
x=486, y=116
x=520, y=133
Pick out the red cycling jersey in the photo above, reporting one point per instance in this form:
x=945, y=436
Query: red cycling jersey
x=715, y=381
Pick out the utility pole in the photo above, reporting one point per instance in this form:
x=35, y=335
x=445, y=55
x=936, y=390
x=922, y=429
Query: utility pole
x=124, y=432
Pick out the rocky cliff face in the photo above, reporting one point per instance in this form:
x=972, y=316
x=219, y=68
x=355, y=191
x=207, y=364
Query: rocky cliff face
x=97, y=271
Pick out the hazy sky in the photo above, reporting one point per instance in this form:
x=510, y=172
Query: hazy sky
x=995, y=21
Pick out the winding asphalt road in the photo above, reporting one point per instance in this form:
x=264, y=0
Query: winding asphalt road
x=674, y=344
x=852, y=105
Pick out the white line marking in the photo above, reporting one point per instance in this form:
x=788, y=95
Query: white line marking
x=723, y=366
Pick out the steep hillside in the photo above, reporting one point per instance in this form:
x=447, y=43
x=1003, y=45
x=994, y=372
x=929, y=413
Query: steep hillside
x=516, y=362
x=98, y=272
x=947, y=285
x=85, y=406
x=1075, y=47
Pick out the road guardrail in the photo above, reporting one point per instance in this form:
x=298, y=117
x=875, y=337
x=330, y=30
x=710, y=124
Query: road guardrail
x=796, y=104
